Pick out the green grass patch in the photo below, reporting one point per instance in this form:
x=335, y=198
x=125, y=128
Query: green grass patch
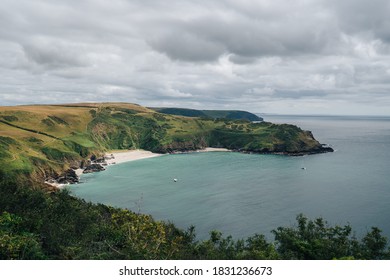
x=59, y=155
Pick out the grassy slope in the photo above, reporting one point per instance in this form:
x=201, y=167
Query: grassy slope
x=37, y=141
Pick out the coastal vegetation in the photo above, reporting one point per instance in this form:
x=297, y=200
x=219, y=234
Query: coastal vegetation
x=38, y=142
x=214, y=114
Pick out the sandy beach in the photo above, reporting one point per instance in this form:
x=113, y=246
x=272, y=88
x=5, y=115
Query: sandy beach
x=209, y=149
x=116, y=157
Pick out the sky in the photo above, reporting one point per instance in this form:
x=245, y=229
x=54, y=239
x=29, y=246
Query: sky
x=264, y=56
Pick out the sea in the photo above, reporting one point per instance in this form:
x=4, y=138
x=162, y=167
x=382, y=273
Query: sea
x=244, y=194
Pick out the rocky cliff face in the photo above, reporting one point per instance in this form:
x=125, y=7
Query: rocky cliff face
x=69, y=177
x=95, y=167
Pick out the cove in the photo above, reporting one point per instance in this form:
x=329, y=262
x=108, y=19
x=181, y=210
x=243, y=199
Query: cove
x=243, y=194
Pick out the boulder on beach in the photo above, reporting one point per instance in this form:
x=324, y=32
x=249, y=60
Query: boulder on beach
x=93, y=168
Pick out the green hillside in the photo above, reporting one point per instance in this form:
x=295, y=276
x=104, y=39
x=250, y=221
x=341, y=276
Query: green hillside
x=213, y=114
x=38, y=141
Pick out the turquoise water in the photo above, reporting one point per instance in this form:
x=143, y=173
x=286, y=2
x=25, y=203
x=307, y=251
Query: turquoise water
x=242, y=194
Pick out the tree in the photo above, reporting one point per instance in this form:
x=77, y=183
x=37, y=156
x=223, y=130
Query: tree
x=314, y=240
x=374, y=245
x=16, y=243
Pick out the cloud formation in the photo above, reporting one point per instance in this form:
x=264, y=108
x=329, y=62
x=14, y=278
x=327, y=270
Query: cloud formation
x=262, y=56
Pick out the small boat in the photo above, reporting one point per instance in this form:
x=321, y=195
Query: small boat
x=303, y=168
x=175, y=180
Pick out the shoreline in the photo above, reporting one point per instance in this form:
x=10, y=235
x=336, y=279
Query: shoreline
x=121, y=156
x=205, y=150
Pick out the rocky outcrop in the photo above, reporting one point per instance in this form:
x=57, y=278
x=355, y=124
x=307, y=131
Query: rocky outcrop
x=69, y=177
x=94, y=167
x=280, y=151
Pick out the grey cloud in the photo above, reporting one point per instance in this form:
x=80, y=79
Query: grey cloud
x=293, y=32
x=376, y=73
x=238, y=59
x=246, y=38
x=188, y=47
x=55, y=54
x=298, y=94
x=365, y=18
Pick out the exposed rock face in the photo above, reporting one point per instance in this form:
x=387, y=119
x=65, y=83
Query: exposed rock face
x=69, y=177
x=100, y=160
x=84, y=163
x=94, y=167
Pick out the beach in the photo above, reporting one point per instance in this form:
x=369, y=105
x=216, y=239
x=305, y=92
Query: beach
x=209, y=149
x=119, y=156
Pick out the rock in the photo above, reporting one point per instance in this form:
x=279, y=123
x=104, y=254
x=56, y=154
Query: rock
x=94, y=167
x=84, y=163
x=100, y=160
x=326, y=149
x=69, y=177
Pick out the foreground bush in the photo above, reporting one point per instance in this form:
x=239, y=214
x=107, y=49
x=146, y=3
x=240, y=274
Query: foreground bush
x=37, y=225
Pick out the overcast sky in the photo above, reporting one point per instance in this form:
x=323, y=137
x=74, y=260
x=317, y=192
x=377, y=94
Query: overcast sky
x=265, y=56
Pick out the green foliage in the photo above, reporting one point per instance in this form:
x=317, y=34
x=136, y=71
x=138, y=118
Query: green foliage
x=34, y=140
x=4, y=144
x=93, y=113
x=15, y=243
x=230, y=138
x=38, y=225
x=82, y=150
x=59, y=226
x=181, y=112
x=13, y=162
x=127, y=111
x=160, y=117
x=6, y=141
x=316, y=240
x=257, y=248
x=374, y=245
x=210, y=114
x=58, y=155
